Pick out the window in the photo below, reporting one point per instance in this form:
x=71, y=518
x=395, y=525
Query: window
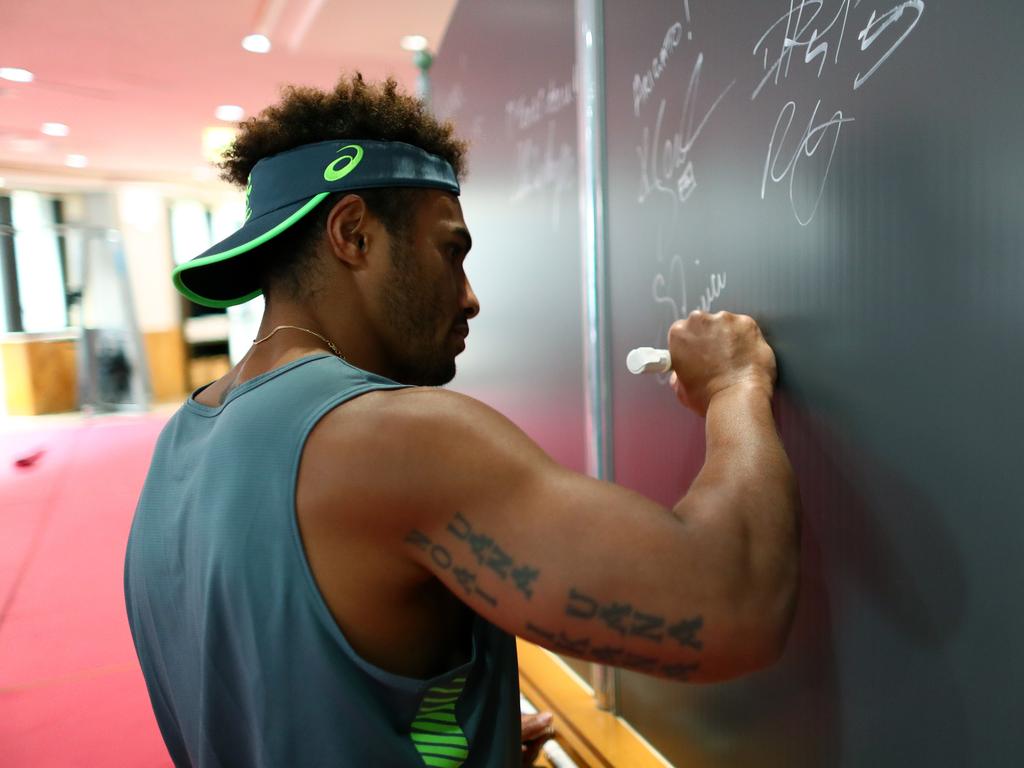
x=32, y=263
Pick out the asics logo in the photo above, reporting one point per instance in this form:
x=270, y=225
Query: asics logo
x=248, y=194
x=334, y=171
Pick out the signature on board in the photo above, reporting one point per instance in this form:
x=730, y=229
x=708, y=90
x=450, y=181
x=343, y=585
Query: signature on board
x=665, y=164
x=808, y=27
x=817, y=30
x=810, y=141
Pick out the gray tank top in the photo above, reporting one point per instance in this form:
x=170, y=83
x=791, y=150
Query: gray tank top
x=244, y=663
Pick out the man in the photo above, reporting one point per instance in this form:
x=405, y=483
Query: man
x=331, y=555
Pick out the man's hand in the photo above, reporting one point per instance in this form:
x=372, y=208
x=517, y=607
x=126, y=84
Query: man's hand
x=711, y=353
x=536, y=730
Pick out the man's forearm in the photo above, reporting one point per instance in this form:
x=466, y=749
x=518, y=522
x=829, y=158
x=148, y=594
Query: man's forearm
x=745, y=498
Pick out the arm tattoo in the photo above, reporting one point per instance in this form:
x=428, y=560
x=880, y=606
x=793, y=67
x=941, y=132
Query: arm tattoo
x=443, y=559
x=628, y=621
x=604, y=654
x=489, y=554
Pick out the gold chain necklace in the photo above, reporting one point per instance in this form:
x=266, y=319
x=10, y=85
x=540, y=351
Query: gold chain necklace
x=334, y=349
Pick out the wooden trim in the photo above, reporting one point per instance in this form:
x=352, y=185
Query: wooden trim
x=593, y=738
x=205, y=369
x=165, y=353
x=40, y=370
x=40, y=375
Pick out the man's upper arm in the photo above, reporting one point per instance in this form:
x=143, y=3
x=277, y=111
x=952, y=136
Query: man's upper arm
x=583, y=567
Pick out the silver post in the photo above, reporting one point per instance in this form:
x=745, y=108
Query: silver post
x=590, y=124
x=423, y=61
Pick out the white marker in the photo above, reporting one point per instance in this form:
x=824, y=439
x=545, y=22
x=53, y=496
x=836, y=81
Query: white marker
x=552, y=751
x=649, y=360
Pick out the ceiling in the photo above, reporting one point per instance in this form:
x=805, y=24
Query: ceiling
x=137, y=81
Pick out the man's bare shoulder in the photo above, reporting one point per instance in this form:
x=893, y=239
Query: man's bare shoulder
x=383, y=415
x=426, y=418
x=407, y=449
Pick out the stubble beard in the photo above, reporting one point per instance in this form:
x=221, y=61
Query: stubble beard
x=413, y=312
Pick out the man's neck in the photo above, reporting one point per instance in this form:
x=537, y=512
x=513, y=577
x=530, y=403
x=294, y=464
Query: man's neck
x=351, y=334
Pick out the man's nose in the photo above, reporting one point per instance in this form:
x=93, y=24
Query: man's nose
x=470, y=303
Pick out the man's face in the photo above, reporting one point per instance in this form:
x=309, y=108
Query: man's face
x=427, y=299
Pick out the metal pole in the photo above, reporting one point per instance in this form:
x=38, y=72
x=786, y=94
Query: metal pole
x=424, y=60
x=590, y=121
x=141, y=386
x=11, y=322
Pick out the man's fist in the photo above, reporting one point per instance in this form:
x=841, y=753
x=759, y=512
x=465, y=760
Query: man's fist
x=711, y=353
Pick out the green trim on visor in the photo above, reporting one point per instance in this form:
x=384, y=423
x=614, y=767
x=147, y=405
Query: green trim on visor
x=213, y=258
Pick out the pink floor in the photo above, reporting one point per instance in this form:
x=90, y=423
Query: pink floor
x=71, y=693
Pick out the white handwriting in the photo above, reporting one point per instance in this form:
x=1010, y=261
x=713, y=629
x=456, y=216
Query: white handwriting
x=661, y=160
x=798, y=34
x=643, y=83
x=806, y=25
x=548, y=168
x=877, y=26
x=669, y=293
x=809, y=142
x=716, y=284
x=526, y=111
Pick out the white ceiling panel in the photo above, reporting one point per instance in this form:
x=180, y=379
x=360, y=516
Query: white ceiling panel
x=137, y=82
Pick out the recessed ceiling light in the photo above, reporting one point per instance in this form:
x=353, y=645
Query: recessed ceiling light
x=256, y=43
x=76, y=161
x=230, y=113
x=414, y=43
x=16, y=75
x=55, y=129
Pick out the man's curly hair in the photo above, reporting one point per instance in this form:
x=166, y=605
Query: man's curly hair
x=354, y=109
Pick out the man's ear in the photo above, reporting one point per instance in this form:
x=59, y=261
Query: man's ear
x=348, y=231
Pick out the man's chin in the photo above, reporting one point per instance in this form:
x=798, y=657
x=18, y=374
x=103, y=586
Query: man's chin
x=434, y=376
x=443, y=376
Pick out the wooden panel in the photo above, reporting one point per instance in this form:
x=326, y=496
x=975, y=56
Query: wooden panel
x=165, y=352
x=39, y=376
x=17, y=381
x=203, y=370
x=592, y=738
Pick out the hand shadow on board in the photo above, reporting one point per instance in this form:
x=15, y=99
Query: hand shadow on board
x=788, y=715
x=888, y=539
x=864, y=526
